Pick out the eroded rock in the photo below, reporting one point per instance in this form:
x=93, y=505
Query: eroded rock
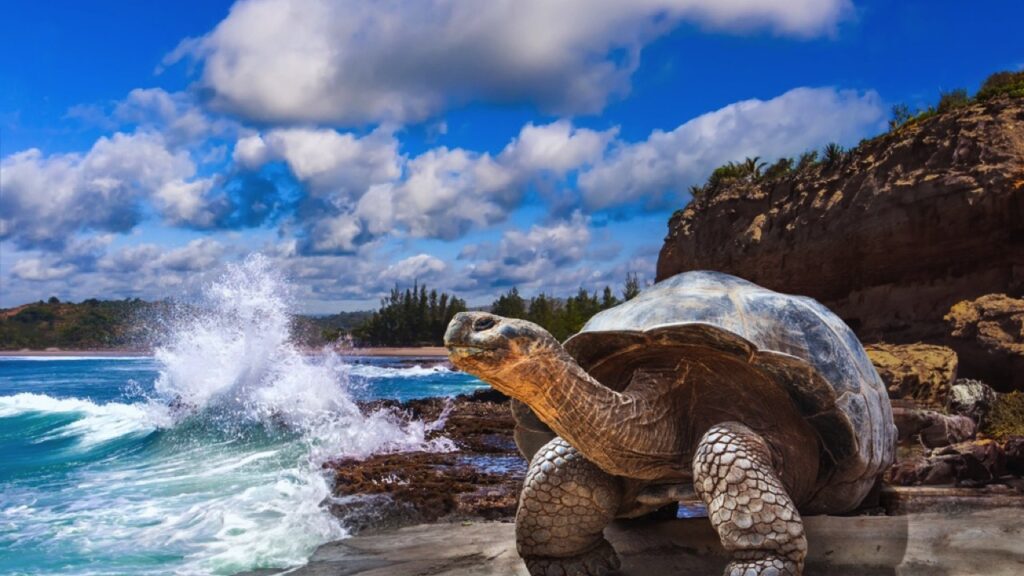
x=921, y=372
x=891, y=237
x=990, y=332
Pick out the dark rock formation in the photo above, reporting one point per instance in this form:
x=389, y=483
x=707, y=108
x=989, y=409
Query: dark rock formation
x=922, y=372
x=1014, y=449
x=973, y=399
x=973, y=463
x=932, y=428
x=481, y=479
x=989, y=334
x=891, y=236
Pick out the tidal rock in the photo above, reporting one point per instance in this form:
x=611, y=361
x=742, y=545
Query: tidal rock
x=1014, y=449
x=932, y=428
x=973, y=463
x=971, y=398
x=481, y=478
x=989, y=331
x=921, y=372
x=890, y=237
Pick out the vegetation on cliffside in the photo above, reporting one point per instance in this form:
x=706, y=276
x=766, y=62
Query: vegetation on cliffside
x=754, y=171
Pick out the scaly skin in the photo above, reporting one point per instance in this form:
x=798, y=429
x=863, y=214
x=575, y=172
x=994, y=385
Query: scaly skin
x=747, y=503
x=566, y=503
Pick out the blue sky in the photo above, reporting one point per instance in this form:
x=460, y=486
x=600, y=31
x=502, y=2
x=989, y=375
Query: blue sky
x=469, y=146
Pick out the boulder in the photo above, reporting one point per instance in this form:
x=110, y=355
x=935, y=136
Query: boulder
x=971, y=398
x=988, y=332
x=920, y=372
x=932, y=428
x=972, y=463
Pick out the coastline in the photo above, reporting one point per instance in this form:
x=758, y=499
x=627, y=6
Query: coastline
x=397, y=352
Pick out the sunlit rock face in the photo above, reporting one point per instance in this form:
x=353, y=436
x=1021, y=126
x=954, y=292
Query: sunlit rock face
x=890, y=236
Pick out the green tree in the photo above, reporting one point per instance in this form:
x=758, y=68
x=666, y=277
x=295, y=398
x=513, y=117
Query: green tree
x=632, y=286
x=901, y=114
x=510, y=305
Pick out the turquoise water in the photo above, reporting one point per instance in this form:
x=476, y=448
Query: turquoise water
x=202, y=459
x=98, y=477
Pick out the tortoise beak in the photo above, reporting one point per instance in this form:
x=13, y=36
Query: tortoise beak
x=464, y=337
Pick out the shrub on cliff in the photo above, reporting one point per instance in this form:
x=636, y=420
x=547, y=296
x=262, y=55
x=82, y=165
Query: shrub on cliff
x=952, y=99
x=1009, y=83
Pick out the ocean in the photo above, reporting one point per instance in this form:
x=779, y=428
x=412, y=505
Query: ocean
x=204, y=458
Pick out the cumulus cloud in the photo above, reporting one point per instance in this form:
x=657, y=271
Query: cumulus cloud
x=358, y=189
x=543, y=254
x=177, y=116
x=660, y=168
x=355, y=62
x=47, y=199
x=331, y=163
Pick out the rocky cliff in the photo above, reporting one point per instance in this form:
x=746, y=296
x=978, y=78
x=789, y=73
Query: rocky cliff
x=891, y=235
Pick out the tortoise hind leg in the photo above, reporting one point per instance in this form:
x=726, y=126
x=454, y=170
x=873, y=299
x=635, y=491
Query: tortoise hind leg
x=566, y=503
x=747, y=503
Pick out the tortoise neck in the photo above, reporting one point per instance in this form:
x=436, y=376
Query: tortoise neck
x=626, y=434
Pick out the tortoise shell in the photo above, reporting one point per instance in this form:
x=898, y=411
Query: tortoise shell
x=792, y=340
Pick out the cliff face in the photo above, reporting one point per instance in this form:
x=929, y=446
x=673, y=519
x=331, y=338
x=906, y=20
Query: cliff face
x=890, y=237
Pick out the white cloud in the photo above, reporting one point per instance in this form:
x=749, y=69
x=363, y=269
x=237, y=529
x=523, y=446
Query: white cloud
x=176, y=115
x=361, y=188
x=355, y=62
x=331, y=163
x=542, y=255
x=38, y=270
x=419, y=268
x=660, y=168
x=47, y=199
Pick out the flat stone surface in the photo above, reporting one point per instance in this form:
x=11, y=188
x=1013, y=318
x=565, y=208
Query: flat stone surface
x=979, y=542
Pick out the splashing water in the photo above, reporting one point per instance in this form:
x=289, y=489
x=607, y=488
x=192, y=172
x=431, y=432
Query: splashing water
x=236, y=358
x=217, y=469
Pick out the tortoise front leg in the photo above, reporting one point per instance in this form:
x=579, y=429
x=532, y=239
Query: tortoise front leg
x=747, y=503
x=565, y=505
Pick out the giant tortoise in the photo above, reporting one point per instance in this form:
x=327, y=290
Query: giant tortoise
x=763, y=404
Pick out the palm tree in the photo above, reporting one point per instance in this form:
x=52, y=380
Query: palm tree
x=752, y=167
x=834, y=154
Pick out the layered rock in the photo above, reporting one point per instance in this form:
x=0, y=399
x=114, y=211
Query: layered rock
x=891, y=236
x=922, y=372
x=989, y=333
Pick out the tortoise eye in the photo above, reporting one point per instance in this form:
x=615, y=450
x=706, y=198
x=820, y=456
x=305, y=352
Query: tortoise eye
x=482, y=324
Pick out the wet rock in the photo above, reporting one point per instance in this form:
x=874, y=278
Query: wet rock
x=989, y=331
x=921, y=372
x=973, y=463
x=971, y=398
x=932, y=428
x=481, y=478
x=1014, y=450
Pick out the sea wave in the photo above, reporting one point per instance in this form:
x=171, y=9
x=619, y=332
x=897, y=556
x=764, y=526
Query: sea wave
x=93, y=423
x=416, y=371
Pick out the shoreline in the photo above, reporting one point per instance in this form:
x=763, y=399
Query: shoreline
x=395, y=352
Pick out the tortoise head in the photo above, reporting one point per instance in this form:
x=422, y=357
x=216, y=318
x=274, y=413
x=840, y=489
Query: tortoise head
x=495, y=349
